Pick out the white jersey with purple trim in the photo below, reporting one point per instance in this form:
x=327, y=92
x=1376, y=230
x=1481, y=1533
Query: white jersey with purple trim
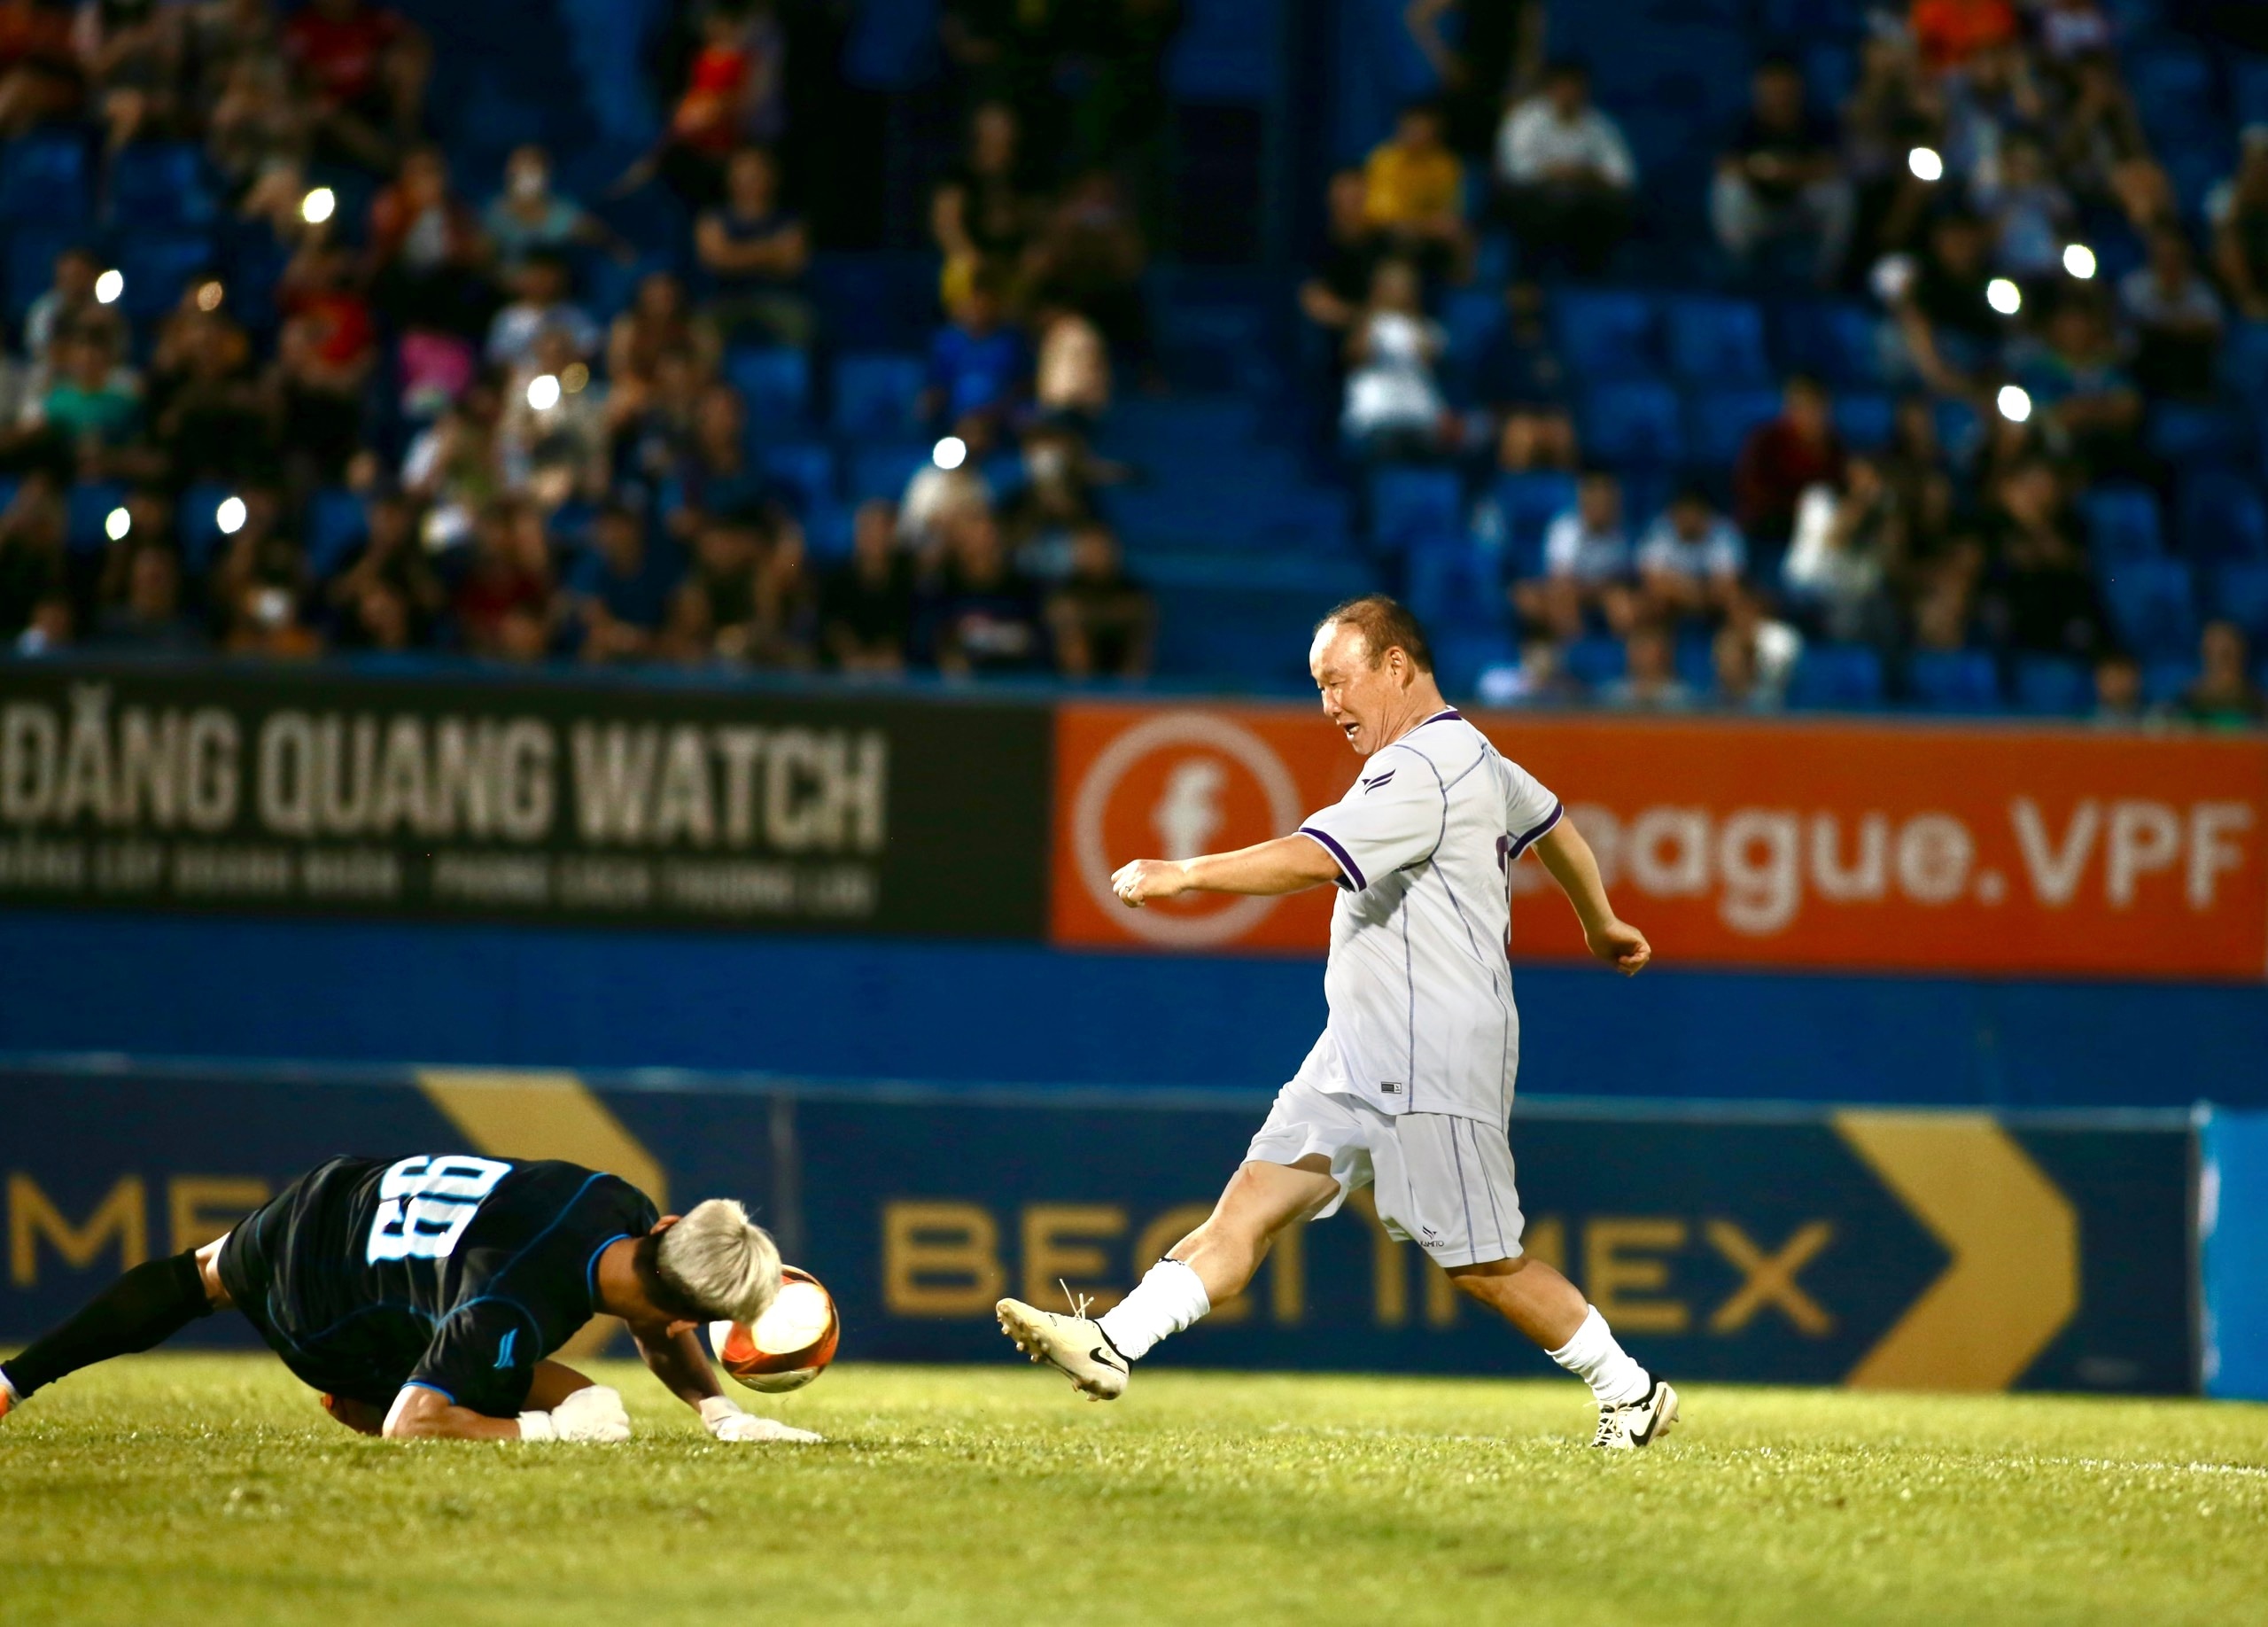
x=1419, y=985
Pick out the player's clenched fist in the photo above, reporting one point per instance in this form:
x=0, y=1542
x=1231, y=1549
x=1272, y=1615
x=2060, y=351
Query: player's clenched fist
x=1622, y=945
x=1137, y=883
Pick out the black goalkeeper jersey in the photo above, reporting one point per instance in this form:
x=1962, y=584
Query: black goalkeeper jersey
x=452, y=1272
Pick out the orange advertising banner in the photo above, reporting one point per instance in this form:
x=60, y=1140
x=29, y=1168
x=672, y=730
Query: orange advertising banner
x=1882, y=846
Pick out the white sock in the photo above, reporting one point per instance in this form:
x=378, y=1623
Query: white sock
x=1594, y=1356
x=1167, y=1299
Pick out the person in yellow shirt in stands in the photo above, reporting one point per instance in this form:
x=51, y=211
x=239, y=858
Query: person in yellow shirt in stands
x=1414, y=191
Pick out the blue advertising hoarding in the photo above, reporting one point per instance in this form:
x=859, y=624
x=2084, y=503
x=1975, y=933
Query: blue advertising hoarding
x=1896, y=1249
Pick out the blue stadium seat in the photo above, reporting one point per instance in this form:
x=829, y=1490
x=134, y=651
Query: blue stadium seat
x=1594, y=660
x=1453, y=586
x=31, y=256
x=882, y=471
x=1460, y=658
x=827, y=526
x=2153, y=603
x=2174, y=89
x=1606, y=336
x=1866, y=419
x=774, y=381
x=2222, y=516
x=805, y=468
x=1527, y=504
x=43, y=178
x=1960, y=431
x=1634, y=423
x=1840, y=342
x=2053, y=686
x=2164, y=682
x=2188, y=434
x=1953, y=679
x=1719, y=422
x=878, y=394
x=2244, y=360
x=85, y=509
x=158, y=265
x=1715, y=341
x=2240, y=594
x=159, y=183
x=1836, y=678
x=2248, y=87
x=2123, y=523
x=1470, y=318
x=1413, y=506
x=195, y=521
x=337, y=524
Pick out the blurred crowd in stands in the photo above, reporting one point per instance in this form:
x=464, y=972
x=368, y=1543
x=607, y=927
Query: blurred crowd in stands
x=294, y=383
x=1956, y=354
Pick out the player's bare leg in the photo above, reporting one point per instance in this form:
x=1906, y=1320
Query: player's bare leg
x=1635, y=1408
x=552, y=1383
x=1210, y=1265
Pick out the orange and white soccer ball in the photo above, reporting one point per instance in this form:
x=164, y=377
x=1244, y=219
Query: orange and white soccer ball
x=790, y=1345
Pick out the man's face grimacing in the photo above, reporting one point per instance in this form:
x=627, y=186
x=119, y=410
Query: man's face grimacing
x=1360, y=695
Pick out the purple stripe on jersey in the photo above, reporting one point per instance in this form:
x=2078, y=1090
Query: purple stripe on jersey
x=1353, y=871
x=1450, y=712
x=1520, y=844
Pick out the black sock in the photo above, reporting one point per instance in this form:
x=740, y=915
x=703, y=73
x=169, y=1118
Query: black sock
x=145, y=1307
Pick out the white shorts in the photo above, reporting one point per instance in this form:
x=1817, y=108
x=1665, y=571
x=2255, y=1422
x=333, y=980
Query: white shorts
x=1442, y=1183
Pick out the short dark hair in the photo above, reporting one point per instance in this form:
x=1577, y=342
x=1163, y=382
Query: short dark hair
x=1385, y=624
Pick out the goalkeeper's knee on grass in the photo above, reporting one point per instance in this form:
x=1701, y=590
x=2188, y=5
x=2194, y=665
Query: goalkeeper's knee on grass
x=143, y=1308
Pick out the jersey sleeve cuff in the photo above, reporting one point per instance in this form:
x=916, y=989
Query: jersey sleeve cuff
x=1521, y=843
x=1350, y=873
x=419, y=1384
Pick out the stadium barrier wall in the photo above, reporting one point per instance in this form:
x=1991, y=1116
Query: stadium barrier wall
x=1807, y=1246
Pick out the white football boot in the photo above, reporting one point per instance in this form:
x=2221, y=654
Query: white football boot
x=1638, y=1423
x=1073, y=1345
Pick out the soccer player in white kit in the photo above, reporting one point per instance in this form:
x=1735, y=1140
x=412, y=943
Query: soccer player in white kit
x=1410, y=1089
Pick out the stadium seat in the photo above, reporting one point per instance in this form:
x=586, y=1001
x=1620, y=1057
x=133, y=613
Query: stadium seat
x=1840, y=343
x=1606, y=336
x=2222, y=516
x=1453, y=586
x=158, y=265
x=827, y=529
x=1413, y=506
x=1715, y=341
x=1719, y=422
x=2053, y=686
x=1953, y=680
x=878, y=394
x=159, y=183
x=2123, y=523
x=2164, y=682
x=1470, y=318
x=805, y=468
x=2244, y=360
x=85, y=509
x=1595, y=661
x=2240, y=594
x=1960, y=431
x=2174, y=89
x=43, y=179
x=31, y=254
x=1865, y=419
x=1836, y=678
x=1526, y=504
x=2248, y=87
x=337, y=525
x=197, y=521
x=2188, y=433
x=2153, y=602
x=882, y=471
x=1634, y=423
x=1461, y=657
x=774, y=381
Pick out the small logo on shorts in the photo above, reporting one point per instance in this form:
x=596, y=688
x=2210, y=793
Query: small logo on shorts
x=1429, y=1231
x=1389, y=1087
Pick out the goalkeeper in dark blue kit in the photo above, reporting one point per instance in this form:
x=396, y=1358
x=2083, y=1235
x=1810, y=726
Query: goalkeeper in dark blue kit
x=423, y=1297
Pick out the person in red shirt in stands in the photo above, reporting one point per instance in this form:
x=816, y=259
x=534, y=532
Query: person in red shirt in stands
x=1785, y=458
x=367, y=66
x=1950, y=32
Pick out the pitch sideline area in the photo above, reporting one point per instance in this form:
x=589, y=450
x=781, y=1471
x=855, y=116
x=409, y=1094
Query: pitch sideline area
x=210, y=1489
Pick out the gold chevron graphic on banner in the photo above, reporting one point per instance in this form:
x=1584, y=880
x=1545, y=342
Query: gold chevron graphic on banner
x=2014, y=1280
x=528, y=1115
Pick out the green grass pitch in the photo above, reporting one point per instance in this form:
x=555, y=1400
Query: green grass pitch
x=211, y=1491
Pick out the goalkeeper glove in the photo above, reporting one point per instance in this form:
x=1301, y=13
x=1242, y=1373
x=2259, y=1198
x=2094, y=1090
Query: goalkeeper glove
x=595, y=1414
x=722, y=1417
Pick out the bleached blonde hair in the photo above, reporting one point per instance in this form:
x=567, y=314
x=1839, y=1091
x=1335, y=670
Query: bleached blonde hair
x=719, y=1263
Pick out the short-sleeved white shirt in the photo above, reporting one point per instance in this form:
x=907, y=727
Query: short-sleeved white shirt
x=1573, y=549
x=1418, y=983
